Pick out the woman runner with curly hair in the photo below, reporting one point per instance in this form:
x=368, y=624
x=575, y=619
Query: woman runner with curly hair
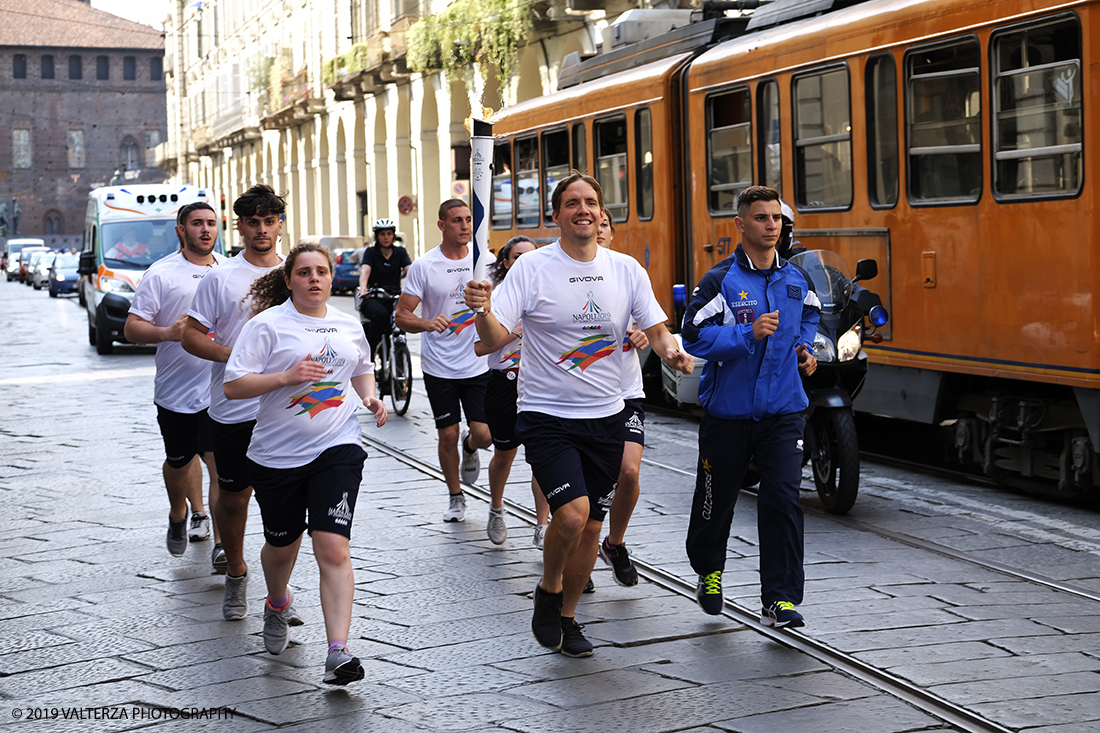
x=299, y=356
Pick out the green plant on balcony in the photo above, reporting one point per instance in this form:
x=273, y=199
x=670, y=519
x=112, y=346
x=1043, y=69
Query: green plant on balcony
x=469, y=33
x=349, y=63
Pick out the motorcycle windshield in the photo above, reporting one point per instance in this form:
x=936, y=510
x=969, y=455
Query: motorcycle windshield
x=829, y=273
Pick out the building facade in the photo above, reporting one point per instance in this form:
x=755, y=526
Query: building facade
x=315, y=98
x=84, y=104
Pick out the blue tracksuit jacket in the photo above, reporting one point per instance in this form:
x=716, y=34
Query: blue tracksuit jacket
x=745, y=378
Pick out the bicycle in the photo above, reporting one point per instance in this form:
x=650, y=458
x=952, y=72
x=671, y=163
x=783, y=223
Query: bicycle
x=392, y=361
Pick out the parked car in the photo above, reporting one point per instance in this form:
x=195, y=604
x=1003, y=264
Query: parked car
x=24, y=260
x=346, y=276
x=32, y=265
x=12, y=249
x=39, y=275
x=63, y=276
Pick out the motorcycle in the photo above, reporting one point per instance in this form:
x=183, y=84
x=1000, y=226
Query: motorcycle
x=850, y=315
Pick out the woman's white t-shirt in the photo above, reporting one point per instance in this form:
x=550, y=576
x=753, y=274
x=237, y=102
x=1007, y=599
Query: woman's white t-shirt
x=575, y=316
x=296, y=424
x=439, y=283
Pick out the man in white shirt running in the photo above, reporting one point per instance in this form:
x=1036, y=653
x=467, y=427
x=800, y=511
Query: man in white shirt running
x=181, y=389
x=453, y=374
x=577, y=301
x=221, y=305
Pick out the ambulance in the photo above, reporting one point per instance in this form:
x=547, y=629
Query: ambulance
x=127, y=229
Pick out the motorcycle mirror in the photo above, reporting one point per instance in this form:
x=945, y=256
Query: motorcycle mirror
x=866, y=270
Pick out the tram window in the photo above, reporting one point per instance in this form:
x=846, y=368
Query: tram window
x=882, y=131
x=767, y=115
x=944, y=123
x=528, y=201
x=611, y=165
x=500, y=212
x=823, y=140
x=729, y=143
x=580, y=148
x=1037, y=130
x=555, y=156
x=643, y=161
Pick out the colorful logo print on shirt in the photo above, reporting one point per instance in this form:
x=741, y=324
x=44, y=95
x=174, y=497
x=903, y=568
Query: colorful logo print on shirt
x=319, y=397
x=460, y=321
x=591, y=349
x=511, y=359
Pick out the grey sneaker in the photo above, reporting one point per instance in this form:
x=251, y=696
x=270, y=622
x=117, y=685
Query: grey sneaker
x=341, y=667
x=540, y=535
x=471, y=462
x=277, y=625
x=497, y=529
x=218, y=560
x=200, y=527
x=456, y=512
x=177, y=537
x=235, y=603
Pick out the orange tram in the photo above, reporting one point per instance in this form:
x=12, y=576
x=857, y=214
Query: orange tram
x=943, y=138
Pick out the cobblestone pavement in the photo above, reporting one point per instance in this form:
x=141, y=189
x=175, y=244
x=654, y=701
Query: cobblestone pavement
x=99, y=620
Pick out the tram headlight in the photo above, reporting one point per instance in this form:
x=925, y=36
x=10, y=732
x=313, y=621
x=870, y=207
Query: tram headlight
x=823, y=347
x=850, y=344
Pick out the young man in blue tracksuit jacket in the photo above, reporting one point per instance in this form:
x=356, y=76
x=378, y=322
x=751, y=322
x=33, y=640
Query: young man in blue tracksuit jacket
x=753, y=318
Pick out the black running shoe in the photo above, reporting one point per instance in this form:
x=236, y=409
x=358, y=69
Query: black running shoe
x=709, y=593
x=621, y=565
x=589, y=587
x=546, y=621
x=781, y=614
x=573, y=643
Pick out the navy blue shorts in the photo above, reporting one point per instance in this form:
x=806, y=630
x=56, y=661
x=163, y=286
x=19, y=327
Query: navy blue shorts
x=230, y=448
x=633, y=421
x=574, y=458
x=185, y=434
x=325, y=489
x=500, y=408
x=445, y=396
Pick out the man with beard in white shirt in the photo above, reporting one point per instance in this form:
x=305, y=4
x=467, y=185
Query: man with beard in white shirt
x=181, y=389
x=454, y=375
x=576, y=301
x=221, y=305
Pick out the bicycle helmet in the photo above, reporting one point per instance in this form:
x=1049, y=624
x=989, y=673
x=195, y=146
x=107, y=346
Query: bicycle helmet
x=385, y=224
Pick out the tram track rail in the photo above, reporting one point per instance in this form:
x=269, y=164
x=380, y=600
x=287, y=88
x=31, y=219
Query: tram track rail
x=950, y=713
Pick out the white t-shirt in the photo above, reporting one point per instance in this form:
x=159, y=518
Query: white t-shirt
x=507, y=356
x=218, y=306
x=439, y=283
x=182, y=383
x=632, y=373
x=575, y=315
x=296, y=424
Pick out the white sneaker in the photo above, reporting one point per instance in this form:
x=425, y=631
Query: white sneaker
x=200, y=527
x=471, y=462
x=456, y=512
x=496, y=528
x=540, y=535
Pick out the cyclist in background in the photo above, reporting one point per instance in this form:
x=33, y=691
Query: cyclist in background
x=383, y=266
